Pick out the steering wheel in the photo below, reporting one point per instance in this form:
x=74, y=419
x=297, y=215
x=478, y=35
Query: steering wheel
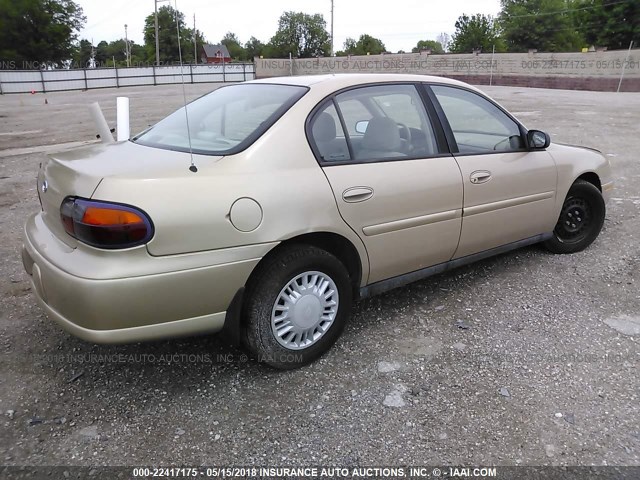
x=405, y=135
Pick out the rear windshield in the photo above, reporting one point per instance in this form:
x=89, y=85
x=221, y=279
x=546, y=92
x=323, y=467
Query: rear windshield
x=224, y=121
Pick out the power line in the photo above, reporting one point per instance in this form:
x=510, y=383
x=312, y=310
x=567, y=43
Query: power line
x=566, y=10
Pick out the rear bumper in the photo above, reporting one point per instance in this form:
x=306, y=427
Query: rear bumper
x=177, y=328
x=131, y=306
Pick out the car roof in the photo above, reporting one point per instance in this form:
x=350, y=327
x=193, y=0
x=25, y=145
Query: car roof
x=341, y=80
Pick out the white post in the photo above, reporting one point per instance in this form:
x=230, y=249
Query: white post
x=626, y=60
x=122, y=115
x=290, y=65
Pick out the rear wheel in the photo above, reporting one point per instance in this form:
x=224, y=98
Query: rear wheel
x=581, y=219
x=297, y=306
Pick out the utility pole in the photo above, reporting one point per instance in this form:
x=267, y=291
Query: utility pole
x=157, y=41
x=127, y=52
x=332, y=28
x=195, y=41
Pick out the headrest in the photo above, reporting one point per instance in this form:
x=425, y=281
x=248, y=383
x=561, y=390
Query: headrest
x=324, y=128
x=382, y=135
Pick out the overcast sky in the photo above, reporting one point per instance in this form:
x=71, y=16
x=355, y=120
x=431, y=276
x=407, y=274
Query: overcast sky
x=398, y=23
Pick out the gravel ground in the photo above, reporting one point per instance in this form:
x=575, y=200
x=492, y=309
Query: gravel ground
x=524, y=359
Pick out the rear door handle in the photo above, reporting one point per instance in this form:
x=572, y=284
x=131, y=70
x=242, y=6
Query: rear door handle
x=480, y=176
x=357, y=194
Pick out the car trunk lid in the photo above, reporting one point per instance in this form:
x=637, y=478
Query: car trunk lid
x=78, y=173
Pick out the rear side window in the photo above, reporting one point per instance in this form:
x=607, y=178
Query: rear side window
x=477, y=124
x=225, y=121
x=328, y=135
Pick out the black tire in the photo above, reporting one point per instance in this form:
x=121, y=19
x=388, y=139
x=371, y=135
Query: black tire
x=264, y=289
x=581, y=219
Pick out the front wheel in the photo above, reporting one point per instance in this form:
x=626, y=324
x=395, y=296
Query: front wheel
x=297, y=306
x=581, y=219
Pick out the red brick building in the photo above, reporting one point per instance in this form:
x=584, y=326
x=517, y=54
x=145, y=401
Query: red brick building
x=215, y=54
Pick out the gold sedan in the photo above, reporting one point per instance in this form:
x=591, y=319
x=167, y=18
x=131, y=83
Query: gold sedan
x=266, y=208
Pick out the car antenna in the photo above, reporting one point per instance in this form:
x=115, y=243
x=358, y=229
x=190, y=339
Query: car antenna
x=192, y=167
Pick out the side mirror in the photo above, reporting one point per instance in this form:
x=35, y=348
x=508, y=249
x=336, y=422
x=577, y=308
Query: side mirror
x=537, y=140
x=361, y=126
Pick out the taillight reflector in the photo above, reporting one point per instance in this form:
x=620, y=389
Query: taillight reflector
x=105, y=224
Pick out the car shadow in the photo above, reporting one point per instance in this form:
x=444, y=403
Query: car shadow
x=180, y=365
x=444, y=288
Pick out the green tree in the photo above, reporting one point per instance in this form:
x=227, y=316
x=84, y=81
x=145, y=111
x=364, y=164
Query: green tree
x=607, y=24
x=435, y=47
x=254, y=48
x=117, y=49
x=301, y=35
x=168, y=37
x=371, y=45
x=42, y=31
x=102, y=54
x=350, y=47
x=82, y=55
x=546, y=25
x=138, y=53
x=365, y=45
x=106, y=53
x=476, y=32
x=236, y=50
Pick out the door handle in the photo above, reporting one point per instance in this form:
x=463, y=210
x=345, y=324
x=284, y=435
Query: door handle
x=357, y=194
x=480, y=176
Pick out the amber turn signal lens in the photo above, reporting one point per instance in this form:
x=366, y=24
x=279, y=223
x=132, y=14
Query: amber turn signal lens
x=108, y=216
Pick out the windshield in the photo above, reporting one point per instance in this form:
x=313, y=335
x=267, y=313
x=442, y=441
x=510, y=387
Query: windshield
x=224, y=121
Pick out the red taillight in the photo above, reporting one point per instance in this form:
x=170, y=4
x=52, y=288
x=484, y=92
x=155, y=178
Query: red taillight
x=104, y=224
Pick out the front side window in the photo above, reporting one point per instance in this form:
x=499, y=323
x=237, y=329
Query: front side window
x=225, y=121
x=478, y=125
x=386, y=122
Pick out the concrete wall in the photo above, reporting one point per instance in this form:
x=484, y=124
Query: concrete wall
x=575, y=71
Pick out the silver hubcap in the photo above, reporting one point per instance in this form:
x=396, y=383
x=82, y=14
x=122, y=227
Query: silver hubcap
x=304, y=310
